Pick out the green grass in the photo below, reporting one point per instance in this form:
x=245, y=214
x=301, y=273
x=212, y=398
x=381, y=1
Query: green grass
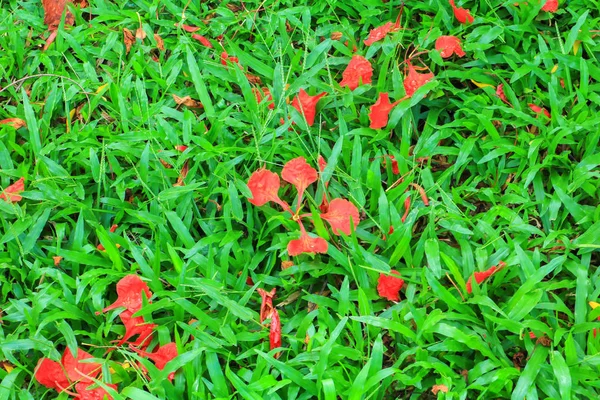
x=504, y=184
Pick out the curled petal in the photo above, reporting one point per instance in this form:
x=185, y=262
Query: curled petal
x=266, y=306
x=539, y=110
x=161, y=356
x=339, y=215
x=307, y=105
x=358, y=72
x=500, y=93
x=448, y=45
x=388, y=286
x=482, y=276
x=462, y=15
x=14, y=122
x=275, y=332
x=202, y=40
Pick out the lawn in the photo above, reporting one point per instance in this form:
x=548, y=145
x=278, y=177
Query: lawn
x=275, y=200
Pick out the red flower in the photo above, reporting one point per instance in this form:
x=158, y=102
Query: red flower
x=11, y=193
x=129, y=291
x=537, y=109
x=358, y=71
x=266, y=93
x=202, y=40
x=388, y=286
x=14, y=122
x=378, y=33
x=462, y=15
x=300, y=174
x=188, y=28
x=264, y=186
x=307, y=105
x=339, y=214
x=482, y=276
x=161, y=356
x=136, y=326
x=500, y=93
x=306, y=244
x=266, y=306
x=415, y=80
x=380, y=111
x=275, y=332
x=85, y=393
x=550, y=6
x=448, y=45
x=59, y=376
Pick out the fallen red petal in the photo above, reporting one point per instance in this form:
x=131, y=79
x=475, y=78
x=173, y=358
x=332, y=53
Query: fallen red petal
x=129, y=291
x=358, y=72
x=340, y=214
x=380, y=111
x=462, y=15
x=378, y=33
x=202, y=40
x=415, y=80
x=11, y=193
x=307, y=105
x=550, y=6
x=449, y=45
x=388, y=286
x=300, y=174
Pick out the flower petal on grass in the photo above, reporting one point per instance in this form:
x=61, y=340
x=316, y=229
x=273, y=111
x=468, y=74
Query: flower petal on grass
x=358, y=72
x=307, y=105
x=11, y=193
x=415, y=80
x=300, y=174
x=129, y=291
x=339, y=214
x=388, y=286
x=449, y=45
x=380, y=111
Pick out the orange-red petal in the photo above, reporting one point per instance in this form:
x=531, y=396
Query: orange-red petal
x=415, y=80
x=358, y=72
x=380, y=111
x=378, y=33
x=449, y=45
x=388, y=286
x=339, y=215
x=11, y=193
x=307, y=244
x=307, y=105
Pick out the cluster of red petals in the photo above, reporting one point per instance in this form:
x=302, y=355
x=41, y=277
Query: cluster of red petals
x=307, y=105
x=539, y=110
x=11, y=193
x=339, y=215
x=380, y=111
x=415, y=80
x=449, y=45
x=71, y=371
x=358, y=72
x=482, y=276
x=462, y=15
x=388, y=286
x=264, y=92
x=550, y=6
x=160, y=356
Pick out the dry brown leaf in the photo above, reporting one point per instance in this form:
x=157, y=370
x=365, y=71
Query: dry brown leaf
x=140, y=34
x=287, y=264
x=160, y=43
x=182, y=174
x=128, y=39
x=233, y=7
x=254, y=79
x=439, y=388
x=14, y=122
x=187, y=101
x=336, y=35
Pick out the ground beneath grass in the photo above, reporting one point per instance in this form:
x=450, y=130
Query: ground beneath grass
x=276, y=200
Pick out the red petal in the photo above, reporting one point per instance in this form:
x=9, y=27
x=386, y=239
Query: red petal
x=11, y=193
x=395, y=168
x=84, y=392
x=181, y=148
x=380, y=111
x=266, y=306
x=300, y=174
x=275, y=332
x=78, y=371
x=482, y=276
x=415, y=80
x=50, y=374
x=264, y=186
x=202, y=40
x=388, y=286
x=136, y=326
x=358, y=71
x=14, y=122
x=550, y=6
x=339, y=214
x=161, y=357
x=322, y=163
x=500, y=93
x=188, y=28
x=539, y=110
x=448, y=45
x=462, y=15
x=307, y=105
x=259, y=93
x=406, y=208
x=307, y=244
x=378, y=33
x=129, y=291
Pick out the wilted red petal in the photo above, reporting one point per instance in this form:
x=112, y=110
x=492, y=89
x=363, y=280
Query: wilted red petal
x=50, y=374
x=188, y=28
x=380, y=111
x=202, y=40
x=300, y=174
x=266, y=306
x=11, y=193
x=322, y=163
x=395, y=168
x=415, y=80
x=339, y=214
x=448, y=45
x=500, y=93
x=537, y=109
x=84, y=391
x=129, y=291
x=264, y=92
x=481, y=276
x=388, y=286
x=182, y=174
x=264, y=186
x=225, y=58
x=550, y=6
x=78, y=371
x=406, y=208
x=462, y=15
x=14, y=122
x=307, y=244
x=275, y=332
x=421, y=193
x=53, y=11
x=136, y=326
x=161, y=357
x=378, y=33
x=359, y=71
x=307, y=105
